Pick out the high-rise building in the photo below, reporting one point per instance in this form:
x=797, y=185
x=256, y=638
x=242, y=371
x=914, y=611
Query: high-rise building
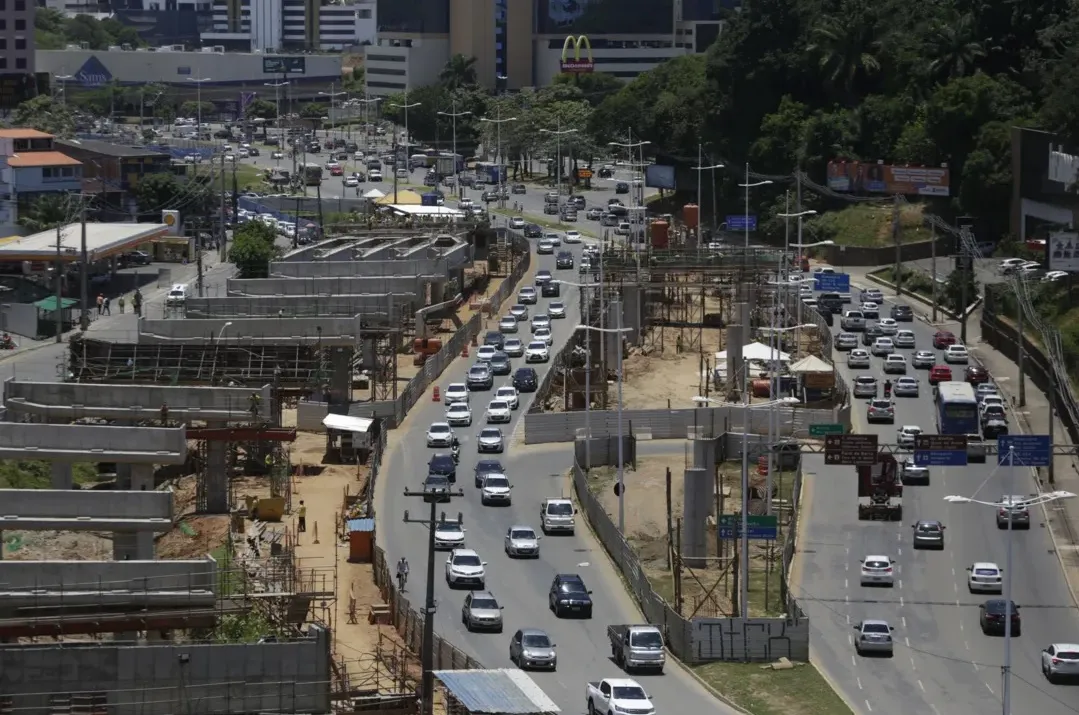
x=17, y=36
x=281, y=25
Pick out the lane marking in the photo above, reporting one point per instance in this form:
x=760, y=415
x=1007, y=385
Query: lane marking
x=912, y=665
x=990, y=689
x=900, y=601
x=904, y=622
x=953, y=568
x=850, y=639
x=868, y=706
x=967, y=646
x=921, y=686
x=846, y=582
x=899, y=550
x=906, y=639
x=859, y=683
x=975, y=666
x=853, y=661
x=900, y=583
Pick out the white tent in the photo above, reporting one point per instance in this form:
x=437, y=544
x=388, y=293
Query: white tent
x=758, y=352
x=374, y=194
x=809, y=364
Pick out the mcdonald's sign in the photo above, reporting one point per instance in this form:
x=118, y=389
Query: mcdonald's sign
x=576, y=65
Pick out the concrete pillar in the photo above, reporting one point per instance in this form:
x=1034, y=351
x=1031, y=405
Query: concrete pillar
x=704, y=453
x=124, y=546
x=735, y=339
x=123, y=477
x=614, y=343
x=340, y=374
x=631, y=317
x=367, y=348
x=142, y=477
x=695, y=506
x=217, y=479
x=61, y=475
x=438, y=292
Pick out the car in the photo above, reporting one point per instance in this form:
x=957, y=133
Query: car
x=508, y=394
x=976, y=375
x=351, y=182
x=877, y=571
x=375, y=175
x=845, y=341
x=484, y=467
x=991, y=398
x=870, y=335
x=533, y=648
x=556, y=310
x=436, y=488
x=495, y=490
x=887, y=326
x=956, y=355
x=928, y=534
x=993, y=429
x=853, y=321
x=522, y=542
x=882, y=347
x=449, y=535
x=480, y=378
x=1053, y=276
x=544, y=335
x=1060, y=660
x=992, y=411
x=594, y=214
x=545, y=248
x=517, y=222
x=458, y=414
x=873, y=636
x=481, y=612
x=500, y=364
x=456, y=392
x=177, y=296
x=550, y=209
x=1009, y=265
x=485, y=353
x=465, y=568
x=895, y=365
x=513, y=347
x=904, y=339
x=568, y=594
x=551, y=290
x=508, y=324
x=906, y=387
x=906, y=434
x=564, y=260
x=858, y=359
x=940, y=373
x=533, y=231
x=537, y=351
x=870, y=310
x=871, y=295
x=444, y=465
x=1014, y=506
x=902, y=313
x=992, y=614
x=621, y=188
x=490, y=440
x=943, y=338
x=880, y=411
x=912, y=473
x=984, y=390
x=543, y=320
x=498, y=412
x=495, y=339
x=519, y=312
x=923, y=360
x=440, y=434
x=525, y=379
x=573, y=236
x=527, y=296
x=865, y=386
x=985, y=577
x=277, y=155
x=569, y=214
x=542, y=277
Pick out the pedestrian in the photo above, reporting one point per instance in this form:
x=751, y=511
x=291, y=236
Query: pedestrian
x=108, y=301
x=100, y=303
x=120, y=302
x=303, y=517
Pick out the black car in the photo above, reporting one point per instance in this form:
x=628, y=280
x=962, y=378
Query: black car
x=485, y=467
x=495, y=339
x=543, y=277
x=991, y=617
x=578, y=201
x=533, y=231
x=500, y=364
x=271, y=141
x=872, y=332
x=564, y=260
x=519, y=189
x=253, y=151
x=569, y=595
x=621, y=188
x=551, y=290
x=489, y=196
x=525, y=379
x=436, y=488
x=443, y=464
x=902, y=314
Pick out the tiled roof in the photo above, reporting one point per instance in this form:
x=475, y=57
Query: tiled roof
x=42, y=158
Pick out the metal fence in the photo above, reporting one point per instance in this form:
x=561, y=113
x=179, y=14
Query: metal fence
x=790, y=542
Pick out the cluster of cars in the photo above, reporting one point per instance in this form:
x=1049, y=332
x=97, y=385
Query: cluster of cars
x=1028, y=269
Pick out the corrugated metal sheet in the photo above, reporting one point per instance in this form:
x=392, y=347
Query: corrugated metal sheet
x=360, y=525
x=345, y=423
x=501, y=692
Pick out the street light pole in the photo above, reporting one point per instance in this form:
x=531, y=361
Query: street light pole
x=277, y=107
x=498, y=151
x=700, y=168
x=747, y=186
x=638, y=192
x=454, y=114
x=367, y=102
x=198, y=103
x=333, y=95
x=406, y=106
x=558, y=134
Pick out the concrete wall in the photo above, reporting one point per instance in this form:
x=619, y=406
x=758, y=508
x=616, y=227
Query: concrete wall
x=371, y=307
x=371, y=269
x=19, y=318
x=309, y=415
x=93, y=443
x=135, y=402
x=326, y=286
x=195, y=679
x=85, y=505
x=328, y=331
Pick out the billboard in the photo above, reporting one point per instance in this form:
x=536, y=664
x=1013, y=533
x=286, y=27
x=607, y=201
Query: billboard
x=1062, y=248
x=572, y=62
x=871, y=178
x=659, y=176
x=284, y=65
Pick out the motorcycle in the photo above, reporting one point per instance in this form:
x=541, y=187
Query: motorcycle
x=887, y=391
x=455, y=452
x=402, y=579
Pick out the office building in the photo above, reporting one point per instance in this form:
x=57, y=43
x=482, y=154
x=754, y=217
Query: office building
x=280, y=25
x=17, y=36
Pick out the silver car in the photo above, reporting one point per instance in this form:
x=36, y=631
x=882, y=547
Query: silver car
x=865, y=386
x=490, y=440
x=513, y=347
x=481, y=612
x=923, y=360
x=873, y=637
x=1015, y=506
x=906, y=387
x=508, y=324
x=522, y=541
x=519, y=311
x=846, y=341
x=928, y=534
x=532, y=648
x=904, y=339
x=912, y=473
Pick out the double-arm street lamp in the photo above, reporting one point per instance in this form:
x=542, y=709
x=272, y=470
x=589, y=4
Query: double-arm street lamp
x=198, y=102
x=499, y=159
x=558, y=134
x=453, y=115
x=277, y=106
x=700, y=169
x=408, y=138
x=367, y=102
x=333, y=99
x=747, y=185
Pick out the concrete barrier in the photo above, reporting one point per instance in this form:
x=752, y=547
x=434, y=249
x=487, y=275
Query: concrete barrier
x=329, y=286
x=327, y=331
x=84, y=510
x=371, y=267
x=93, y=443
x=296, y=306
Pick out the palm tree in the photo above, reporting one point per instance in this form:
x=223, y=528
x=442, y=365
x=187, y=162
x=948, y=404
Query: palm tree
x=459, y=72
x=847, y=49
x=45, y=212
x=953, y=47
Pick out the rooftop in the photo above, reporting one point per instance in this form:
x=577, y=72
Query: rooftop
x=42, y=158
x=102, y=240
x=501, y=692
x=21, y=133
x=108, y=148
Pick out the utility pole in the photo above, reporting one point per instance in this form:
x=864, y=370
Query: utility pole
x=318, y=198
x=898, y=273
x=933, y=274
x=965, y=260
x=1054, y=349
x=84, y=278
x=395, y=160
x=221, y=233
x=428, y=648
x=59, y=283
x=235, y=196
x=1022, y=351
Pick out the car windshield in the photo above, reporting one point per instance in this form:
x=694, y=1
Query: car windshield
x=522, y=534
x=559, y=509
x=875, y=628
x=536, y=641
x=537, y=345
x=478, y=371
x=456, y=407
x=488, y=465
x=985, y=572
x=496, y=482
x=439, y=429
x=448, y=528
x=881, y=404
x=497, y=405
x=629, y=692
x=877, y=564
x=646, y=640
x=467, y=560
x=505, y=392
x=1067, y=655
x=571, y=587
x=490, y=434
x=485, y=603
x=864, y=380
x=929, y=528
x=437, y=481
x=557, y=306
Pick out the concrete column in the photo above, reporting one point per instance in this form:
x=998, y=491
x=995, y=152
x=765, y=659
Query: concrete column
x=124, y=546
x=341, y=374
x=695, y=506
x=144, y=546
x=704, y=454
x=217, y=480
x=735, y=340
x=142, y=477
x=438, y=292
x=613, y=339
x=631, y=317
x=123, y=477
x=61, y=475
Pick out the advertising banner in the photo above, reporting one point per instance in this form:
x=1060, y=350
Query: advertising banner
x=1062, y=248
x=572, y=63
x=858, y=177
x=659, y=176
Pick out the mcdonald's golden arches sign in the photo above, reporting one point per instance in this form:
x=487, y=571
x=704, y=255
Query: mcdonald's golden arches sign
x=576, y=64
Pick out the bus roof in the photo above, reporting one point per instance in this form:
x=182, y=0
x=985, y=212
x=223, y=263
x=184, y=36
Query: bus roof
x=956, y=392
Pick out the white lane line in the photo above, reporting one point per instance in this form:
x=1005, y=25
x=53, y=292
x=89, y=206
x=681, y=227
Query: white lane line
x=975, y=666
x=921, y=686
x=990, y=688
x=906, y=639
x=912, y=665
x=953, y=571
x=904, y=623
x=846, y=582
x=900, y=583
x=955, y=587
x=859, y=683
x=960, y=625
x=850, y=639
x=848, y=566
x=900, y=601
x=899, y=551
x=898, y=537
x=868, y=706
x=853, y=661
x=966, y=645
x=846, y=599
x=848, y=621
x=934, y=707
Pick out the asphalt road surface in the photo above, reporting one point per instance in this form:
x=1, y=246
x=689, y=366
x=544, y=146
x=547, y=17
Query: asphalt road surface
x=943, y=663
x=520, y=585
x=985, y=269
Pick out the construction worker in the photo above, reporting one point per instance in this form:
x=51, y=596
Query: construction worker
x=302, y=514
x=256, y=400
x=164, y=414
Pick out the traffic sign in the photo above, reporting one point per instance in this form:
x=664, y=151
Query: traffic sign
x=738, y=222
x=1025, y=450
x=760, y=527
x=940, y=450
x=825, y=429
x=850, y=449
x=832, y=282
x=584, y=174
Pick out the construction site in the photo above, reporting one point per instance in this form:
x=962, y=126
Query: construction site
x=190, y=573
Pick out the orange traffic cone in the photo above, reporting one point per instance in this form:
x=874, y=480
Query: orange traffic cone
x=464, y=353
x=436, y=396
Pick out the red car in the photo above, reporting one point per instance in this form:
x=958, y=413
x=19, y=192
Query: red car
x=942, y=339
x=976, y=375
x=939, y=373
x=336, y=171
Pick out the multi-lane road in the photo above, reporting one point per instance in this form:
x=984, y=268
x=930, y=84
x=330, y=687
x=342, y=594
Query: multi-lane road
x=520, y=585
x=943, y=664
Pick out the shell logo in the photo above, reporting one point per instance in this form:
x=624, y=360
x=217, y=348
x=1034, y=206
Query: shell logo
x=170, y=220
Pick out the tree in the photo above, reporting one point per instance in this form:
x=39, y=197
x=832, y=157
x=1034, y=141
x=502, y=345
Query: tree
x=197, y=109
x=953, y=292
x=459, y=72
x=46, y=115
x=155, y=193
x=252, y=249
x=596, y=86
x=48, y=211
x=954, y=48
x=847, y=47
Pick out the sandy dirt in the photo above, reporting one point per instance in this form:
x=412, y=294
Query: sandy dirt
x=668, y=378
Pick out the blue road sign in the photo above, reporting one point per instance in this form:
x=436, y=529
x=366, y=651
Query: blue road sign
x=940, y=458
x=763, y=528
x=1028, y=450
x=738, y=222
x=832, y=282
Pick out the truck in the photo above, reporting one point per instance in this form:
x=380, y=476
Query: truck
x=880, y=490
x=617, y=695
x=637, y=646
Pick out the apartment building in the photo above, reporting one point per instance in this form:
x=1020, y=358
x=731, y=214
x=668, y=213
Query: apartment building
x=17, y=36
x=282, y=25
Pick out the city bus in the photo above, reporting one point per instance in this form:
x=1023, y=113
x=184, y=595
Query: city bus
x=312, y=174
x=957, y=408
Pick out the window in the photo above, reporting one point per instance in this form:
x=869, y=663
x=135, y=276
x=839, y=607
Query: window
x=3, y=63
x=3, y=5
x=3, y=23
x=20, y=25
x=3, y=43
x=20, y=5
x=20, y=43
x=20, y=63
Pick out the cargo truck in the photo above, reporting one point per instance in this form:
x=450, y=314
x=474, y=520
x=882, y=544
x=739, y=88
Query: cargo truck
x=880, y=490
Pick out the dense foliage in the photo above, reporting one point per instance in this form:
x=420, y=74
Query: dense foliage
x=253, y=248
x=54, y=31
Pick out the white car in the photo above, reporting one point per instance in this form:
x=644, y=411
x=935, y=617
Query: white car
x=985, y=577
x=449, y=535
x=541, y=321
x=870, y=310
x=527, y=296
x=556, y=310
x=543, y=334
x=554, y=238
x=537, y=351
x=573, y=237
x=904, y=339
x=1060, y=660
x=495, y=490
x=907, y=433
x=956, y=355
x=545, y=247
x=873, y=636
x=882, y=346
x=177, y=296
x=465, y=568
x=440, y=434
x=888, y=326
x=517, y=222
x=508, y=324
x=498, y=412
x=509, y=395
x=351, y=182
x=878, y=571
x=895, y=364
x=1010, y=264
x=1052, y=276
x=522, y=541
x=992, y=399
x=456, y=392
x=486, y=353
x=458, y=414
x=858, y=359
x=513, y=347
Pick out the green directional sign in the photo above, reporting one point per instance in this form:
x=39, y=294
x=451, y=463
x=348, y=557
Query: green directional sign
x=760, y=527
x=825, y=429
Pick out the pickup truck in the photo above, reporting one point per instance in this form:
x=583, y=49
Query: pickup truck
x=853, y=321
x=612, y=696
x=637, y=647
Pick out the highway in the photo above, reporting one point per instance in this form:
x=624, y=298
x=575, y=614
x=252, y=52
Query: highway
x=521, y=586
x=943, y=664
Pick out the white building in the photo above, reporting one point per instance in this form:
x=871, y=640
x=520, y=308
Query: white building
x=276, y=25
x=394, y=65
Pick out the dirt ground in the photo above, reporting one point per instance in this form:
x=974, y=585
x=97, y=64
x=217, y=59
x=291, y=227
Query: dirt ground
x=705, y=591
